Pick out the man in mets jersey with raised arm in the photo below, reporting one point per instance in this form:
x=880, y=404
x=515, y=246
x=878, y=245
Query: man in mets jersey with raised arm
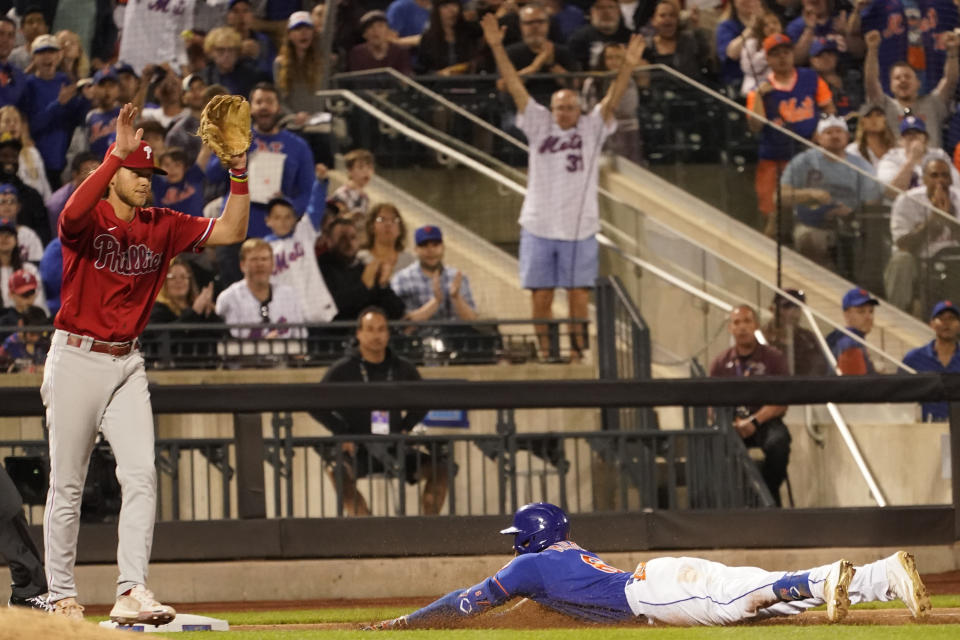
x=115, y=257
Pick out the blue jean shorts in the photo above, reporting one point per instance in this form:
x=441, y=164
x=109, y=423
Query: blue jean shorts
x=546, y=263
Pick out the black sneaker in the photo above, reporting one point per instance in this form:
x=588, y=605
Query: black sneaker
x=36, y=602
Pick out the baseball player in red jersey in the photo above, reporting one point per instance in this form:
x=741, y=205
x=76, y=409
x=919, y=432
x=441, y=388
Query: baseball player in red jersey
x=115, y=257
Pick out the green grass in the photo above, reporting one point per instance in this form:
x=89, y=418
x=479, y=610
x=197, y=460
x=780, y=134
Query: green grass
x=747, y=632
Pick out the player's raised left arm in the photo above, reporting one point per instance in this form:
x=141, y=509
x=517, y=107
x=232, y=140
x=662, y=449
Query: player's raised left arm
x=231, y=226
x=633, y=59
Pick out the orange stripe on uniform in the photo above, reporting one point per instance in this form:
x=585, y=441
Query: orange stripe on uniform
x=501, y=586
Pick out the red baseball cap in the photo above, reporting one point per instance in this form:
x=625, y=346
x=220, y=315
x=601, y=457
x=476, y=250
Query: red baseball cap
x=141, y=158
x=776, y=40
x=22, y=281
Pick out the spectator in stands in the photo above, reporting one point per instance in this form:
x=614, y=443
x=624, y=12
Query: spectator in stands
x=753, y=59
x=182, y=301
x=54, y=105
x=823, y=60
x=940, y=355
x=292, y=241
x=30, y=242
x=12, y=80
x=919, y=233
x=819, y=20
x=11, y=261
x=902, y=166
x=151, y=33
x=759, y=426
x=738, y=20
x=792, y=98
x=784, y=333
x=360, y=170
x=373, y=361
x=537, y=54
x=168, y=93
x=559, y=219
x=239, y=75
x=408, y=17
x=26, y=350
x=378, y=51
x=256, y=299
x=429, y=289
x=451, y=44
x=81, y=166
x=851, y=355
x=627, y=141
x=823, y=191
x=912, y=32
x=298, y=166
x=30, y=169
x=183, y=133
x=33, y=24
x=256, y=45
x=129, y=83
x=873, y=138
x=932, y=108
x=74, y=62
x=383, y=247
x=182, y=187
x=567, y=16
x=30, y=204
x=637, y=13
x=23, y=293
x=674, y=47
x=606, y=25
x=51, y=271
x=344, y=275
x=297, y=69
x=101, y=121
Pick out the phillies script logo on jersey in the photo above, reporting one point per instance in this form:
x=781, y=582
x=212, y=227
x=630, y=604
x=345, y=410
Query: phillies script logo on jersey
x=135, y=260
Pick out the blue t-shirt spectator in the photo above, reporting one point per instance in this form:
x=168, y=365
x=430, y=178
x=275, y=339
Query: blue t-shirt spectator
x=925, y=360
x=101, y=130
x=730, y=71
x=185, y=195
x=52, y=123
x=13, y=83
x=297, y=180
x=51, y=274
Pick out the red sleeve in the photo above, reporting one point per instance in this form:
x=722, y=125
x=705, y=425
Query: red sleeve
x=186, y=232
x=76, y=212
x=823, y=92
x=852, y=363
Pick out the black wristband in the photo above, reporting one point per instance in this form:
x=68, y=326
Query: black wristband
x=756, y=423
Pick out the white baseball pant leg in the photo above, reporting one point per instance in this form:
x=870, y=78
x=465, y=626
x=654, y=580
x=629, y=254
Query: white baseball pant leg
x=84, y=391
x=693, y=591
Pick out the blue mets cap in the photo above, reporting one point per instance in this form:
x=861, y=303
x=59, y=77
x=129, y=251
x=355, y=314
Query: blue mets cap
x=428, y=233
x=123, y=67
x=944, y=305
x=858, y=297
x=6, y=187
x=821, y=45
x=106, y=73
x=912, y=123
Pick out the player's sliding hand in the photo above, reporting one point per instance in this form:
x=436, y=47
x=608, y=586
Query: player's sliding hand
x=128, y=140
x=387, y=625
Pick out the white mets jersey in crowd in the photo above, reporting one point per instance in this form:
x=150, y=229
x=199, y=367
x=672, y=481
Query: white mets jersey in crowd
x=561, y=200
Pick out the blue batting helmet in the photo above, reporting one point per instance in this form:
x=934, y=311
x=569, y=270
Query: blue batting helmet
x=538, y=525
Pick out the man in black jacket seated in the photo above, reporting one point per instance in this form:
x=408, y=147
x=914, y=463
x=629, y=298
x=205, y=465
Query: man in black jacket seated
x=373, y=361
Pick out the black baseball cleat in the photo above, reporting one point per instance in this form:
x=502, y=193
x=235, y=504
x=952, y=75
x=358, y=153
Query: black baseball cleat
x=36, y=602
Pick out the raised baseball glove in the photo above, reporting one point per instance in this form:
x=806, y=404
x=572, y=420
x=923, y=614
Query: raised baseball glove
x=225, y=126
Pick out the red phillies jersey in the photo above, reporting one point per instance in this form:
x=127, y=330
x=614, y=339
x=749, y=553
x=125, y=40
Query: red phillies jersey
x=113, y=270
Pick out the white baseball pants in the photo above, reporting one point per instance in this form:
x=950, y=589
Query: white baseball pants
x=83, y=392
